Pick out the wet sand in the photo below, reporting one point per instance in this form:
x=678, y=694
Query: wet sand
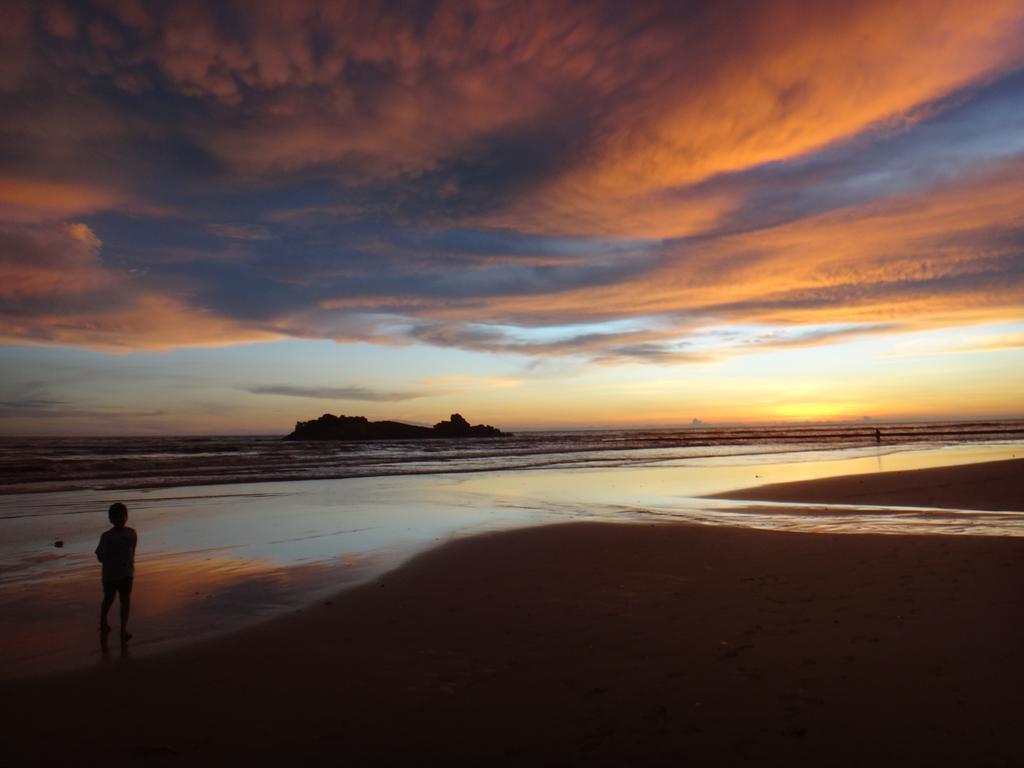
x=590, y=644
x=993, y=485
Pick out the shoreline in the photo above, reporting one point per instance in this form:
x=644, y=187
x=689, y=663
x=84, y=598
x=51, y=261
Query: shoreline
x=590, y=643
x=184, y=476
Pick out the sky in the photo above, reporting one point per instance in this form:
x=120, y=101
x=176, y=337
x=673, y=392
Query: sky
x=223, y=217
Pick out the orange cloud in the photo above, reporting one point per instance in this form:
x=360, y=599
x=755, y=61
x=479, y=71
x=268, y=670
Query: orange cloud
x=32, y=200
x=927, y=258
x=439, y=86
x=787, y=79
x=621, y=108
x=51, y=264
x=984, y=343
x=134, y=321
x=631, y=106
x=57, y=290
x=60, y=21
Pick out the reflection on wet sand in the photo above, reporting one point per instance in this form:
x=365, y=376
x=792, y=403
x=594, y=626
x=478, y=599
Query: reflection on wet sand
x=211, y=561
x=177, y=599
x=844, y=518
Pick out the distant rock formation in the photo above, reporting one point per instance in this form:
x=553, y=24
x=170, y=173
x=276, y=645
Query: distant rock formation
x=331, y=427
x=459, y=427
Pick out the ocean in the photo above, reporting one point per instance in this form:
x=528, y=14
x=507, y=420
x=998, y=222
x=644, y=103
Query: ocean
x=235, y=530
x=29, y=465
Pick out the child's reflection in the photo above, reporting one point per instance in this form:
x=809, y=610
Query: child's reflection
x=123, y=645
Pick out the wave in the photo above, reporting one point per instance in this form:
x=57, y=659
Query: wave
x=32, y=465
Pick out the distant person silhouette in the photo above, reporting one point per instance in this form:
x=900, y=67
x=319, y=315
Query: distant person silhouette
x=116, y=551
x=878, y=436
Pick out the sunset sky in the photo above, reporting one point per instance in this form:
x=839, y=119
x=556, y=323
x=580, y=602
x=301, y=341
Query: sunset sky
x=224, y=217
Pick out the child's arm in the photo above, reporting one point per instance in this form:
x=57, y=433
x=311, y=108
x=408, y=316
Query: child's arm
x=101, y=550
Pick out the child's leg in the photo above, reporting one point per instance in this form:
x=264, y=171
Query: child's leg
x=108, y=600
x=126, y=606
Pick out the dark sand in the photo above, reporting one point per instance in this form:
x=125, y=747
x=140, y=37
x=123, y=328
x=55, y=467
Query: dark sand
x=993, y=485
x=588, y=644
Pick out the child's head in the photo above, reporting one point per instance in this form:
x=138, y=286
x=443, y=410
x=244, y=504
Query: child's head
x=118, y=514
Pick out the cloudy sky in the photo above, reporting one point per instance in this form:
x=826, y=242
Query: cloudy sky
x=223, y=217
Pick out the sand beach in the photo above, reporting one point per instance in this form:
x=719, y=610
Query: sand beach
x=597, y=644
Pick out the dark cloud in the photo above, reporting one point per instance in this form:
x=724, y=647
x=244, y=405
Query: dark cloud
x=240, y=231
x=951, y=139
x=31, y=407
x=337, y=393
x=821, y=335
x=668, y=346
x=612, y=347
x=653, y=352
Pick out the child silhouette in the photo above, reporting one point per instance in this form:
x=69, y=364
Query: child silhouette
x=116, y=551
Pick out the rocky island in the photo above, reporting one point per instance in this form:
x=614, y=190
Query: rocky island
x=331, y=427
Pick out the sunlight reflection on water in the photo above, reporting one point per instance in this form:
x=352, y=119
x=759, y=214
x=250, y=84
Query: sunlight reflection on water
x=840, y=518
